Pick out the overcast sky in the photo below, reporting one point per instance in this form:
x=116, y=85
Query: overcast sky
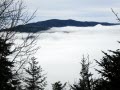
x=82, y=10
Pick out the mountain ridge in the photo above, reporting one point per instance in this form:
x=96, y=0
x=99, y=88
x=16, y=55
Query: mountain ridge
x=45, y=25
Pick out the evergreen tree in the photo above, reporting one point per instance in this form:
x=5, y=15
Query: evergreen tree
x=85, y=83
x=58, y=86
x=7, y=81
x=101, y=84
x=111, y=69
x=36, y=80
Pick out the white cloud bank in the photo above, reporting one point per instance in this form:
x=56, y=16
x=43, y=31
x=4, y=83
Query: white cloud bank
x=62, y=49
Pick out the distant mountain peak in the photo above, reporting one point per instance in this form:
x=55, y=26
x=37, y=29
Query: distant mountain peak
x=45, y=25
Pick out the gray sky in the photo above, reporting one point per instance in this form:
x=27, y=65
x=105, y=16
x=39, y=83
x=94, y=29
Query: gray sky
x=82, y=10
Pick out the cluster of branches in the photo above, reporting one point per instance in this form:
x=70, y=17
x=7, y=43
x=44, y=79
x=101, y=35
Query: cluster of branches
x=14, y=53
x=12, y=14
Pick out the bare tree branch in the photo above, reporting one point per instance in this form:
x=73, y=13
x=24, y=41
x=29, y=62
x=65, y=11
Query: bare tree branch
x=12, y=14
x=116, y=14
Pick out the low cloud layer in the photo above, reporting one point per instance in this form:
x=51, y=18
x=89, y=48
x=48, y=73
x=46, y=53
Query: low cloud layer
x=62, y=49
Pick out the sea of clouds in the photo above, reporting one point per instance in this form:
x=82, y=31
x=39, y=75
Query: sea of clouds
x=61, y=49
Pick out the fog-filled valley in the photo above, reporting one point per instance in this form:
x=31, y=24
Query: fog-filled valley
x=59, y=45
x=61, y=49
